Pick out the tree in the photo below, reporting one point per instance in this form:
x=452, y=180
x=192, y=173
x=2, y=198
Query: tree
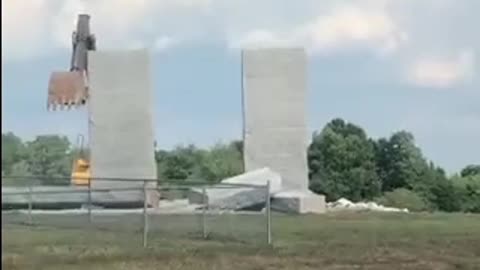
x=49, y=157
x=21, y=168
x=470, y=170
x=436, y=188
x=238, y=146
x=182, y=163
x=399, y=161
x=222, y=161
x=161, y=157
x=468, y=190
x=401, y=164
x=342, y=163
x=13, y=151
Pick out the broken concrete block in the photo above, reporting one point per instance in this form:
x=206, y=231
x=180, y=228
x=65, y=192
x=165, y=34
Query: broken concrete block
x=228, y=196
x=300, y=202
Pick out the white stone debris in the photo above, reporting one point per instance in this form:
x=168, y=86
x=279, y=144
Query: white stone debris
x=344, y=204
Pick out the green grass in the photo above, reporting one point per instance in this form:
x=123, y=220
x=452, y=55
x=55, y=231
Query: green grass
x=333, y=241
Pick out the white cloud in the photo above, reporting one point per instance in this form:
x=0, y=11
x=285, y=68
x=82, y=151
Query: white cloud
x=163, y=43
x=348, y=26
x=260, y=39
x=64, y=22
x=24, y=28
x=441, y=71
x=30, y=27
x=344, y=26
x=113, y=22
x=117, y=22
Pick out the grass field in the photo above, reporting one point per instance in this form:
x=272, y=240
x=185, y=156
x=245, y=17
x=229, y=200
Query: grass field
x=333, y=241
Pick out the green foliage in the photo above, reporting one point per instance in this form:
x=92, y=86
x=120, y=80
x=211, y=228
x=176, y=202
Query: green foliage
x=190, y=163
x=48, y=156
x=21, y=168
x=222, y=161
x=342, y=163
x=179, y=164
x=468, y=190
x=404, y=198
x=400, y=162
x=13, y=151
x=433, y=185
x=470, y=170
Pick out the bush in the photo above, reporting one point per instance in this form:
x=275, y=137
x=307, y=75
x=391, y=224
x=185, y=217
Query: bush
x=404, y=198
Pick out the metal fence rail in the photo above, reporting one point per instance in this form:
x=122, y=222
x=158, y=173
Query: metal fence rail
x=201, y=221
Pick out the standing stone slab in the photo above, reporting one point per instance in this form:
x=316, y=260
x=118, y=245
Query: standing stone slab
x=121, y=131
x=275, y=129
x=275, y=132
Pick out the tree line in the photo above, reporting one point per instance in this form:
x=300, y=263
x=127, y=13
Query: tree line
x=343, y=162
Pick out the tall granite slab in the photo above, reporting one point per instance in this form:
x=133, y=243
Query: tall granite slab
x=274, y=87
x=121, y=130
x=275, y=132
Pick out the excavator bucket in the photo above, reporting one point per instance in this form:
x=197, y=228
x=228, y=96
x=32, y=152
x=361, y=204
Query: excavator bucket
x=67, y=90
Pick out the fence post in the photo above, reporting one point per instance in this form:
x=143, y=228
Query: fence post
x=30, y=202
x=204, y=213
x=268, y=215
x=89, y=204
x=145, y=216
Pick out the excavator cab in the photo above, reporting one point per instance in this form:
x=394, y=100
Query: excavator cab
x=81, y=167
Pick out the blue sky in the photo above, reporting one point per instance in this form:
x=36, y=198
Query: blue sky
x=386, y=65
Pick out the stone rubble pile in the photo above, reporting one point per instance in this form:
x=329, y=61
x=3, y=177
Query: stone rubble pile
x=344, y=204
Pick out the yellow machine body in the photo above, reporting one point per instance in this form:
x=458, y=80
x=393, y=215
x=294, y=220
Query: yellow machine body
x=81, y=172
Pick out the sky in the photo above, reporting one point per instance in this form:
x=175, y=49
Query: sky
x=386, y=65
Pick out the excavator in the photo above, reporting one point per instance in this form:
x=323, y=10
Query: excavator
x=69, y=89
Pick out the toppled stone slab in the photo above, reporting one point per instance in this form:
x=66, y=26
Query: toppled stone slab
x=250, y=191
x=299, y=202
x=344, y=204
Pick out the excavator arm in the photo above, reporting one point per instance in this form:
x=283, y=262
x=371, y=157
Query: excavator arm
x=69, y=89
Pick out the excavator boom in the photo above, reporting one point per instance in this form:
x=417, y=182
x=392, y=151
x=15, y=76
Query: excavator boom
x=69, y=89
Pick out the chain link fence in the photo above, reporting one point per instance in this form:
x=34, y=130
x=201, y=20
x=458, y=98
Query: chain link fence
x=190, y=210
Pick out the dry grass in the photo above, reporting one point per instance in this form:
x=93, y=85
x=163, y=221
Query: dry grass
x=334, y=241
